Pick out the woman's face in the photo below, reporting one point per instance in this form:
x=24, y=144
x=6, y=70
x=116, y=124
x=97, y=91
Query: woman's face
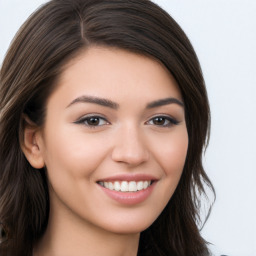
x=114, y=122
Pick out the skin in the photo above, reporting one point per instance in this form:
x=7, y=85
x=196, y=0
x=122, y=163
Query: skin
x=127, y=139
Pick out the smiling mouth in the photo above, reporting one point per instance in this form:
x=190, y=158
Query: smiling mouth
x=126, y=186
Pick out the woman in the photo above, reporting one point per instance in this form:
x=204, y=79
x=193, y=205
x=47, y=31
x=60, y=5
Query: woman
x=104, y=117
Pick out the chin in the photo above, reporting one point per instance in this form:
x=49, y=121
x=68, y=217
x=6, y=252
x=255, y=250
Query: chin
x=129, y=225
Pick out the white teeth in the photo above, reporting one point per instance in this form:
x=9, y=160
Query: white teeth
x=140, y=185
x=145, y=184
x=117, y=186
x=132, y=186
x=105, y=184
x=110, y=186
x=126, y=186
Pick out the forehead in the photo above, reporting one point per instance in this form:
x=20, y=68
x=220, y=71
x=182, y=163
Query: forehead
x=112, y=72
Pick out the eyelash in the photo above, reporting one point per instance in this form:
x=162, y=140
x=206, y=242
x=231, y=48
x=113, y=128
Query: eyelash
x=84, y=120
x=170, y=121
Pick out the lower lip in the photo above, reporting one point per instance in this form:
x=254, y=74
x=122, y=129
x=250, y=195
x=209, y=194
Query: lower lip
x=129, y=198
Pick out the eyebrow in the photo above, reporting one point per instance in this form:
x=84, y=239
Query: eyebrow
x=95, y=100
x=163, y=102
x=114, y=105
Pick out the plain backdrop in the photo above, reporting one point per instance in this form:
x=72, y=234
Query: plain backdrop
x=223, y=33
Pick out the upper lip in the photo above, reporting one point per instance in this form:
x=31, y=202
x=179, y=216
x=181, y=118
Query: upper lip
x=129, y=177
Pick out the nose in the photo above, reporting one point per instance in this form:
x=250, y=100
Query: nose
x=130, y=147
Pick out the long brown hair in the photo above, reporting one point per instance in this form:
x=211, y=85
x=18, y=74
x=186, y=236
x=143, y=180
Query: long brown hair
x=52, y=36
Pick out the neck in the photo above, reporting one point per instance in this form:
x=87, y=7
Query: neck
x=66, y=235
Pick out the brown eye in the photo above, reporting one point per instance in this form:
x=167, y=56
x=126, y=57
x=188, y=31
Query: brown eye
x=92, y=121
x=163, y=121
x=159, y=121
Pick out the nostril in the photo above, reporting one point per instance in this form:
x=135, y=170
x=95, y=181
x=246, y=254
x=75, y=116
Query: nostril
x=129, y=157
x=130, y=146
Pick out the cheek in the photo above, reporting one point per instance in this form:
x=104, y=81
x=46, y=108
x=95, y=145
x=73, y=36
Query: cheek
x=172, y=152
x=171, y=157
x=175, y=155
x=73, y=155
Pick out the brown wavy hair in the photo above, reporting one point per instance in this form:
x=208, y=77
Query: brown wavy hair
x=57, y=32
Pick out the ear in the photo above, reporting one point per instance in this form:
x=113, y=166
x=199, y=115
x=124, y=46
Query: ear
x=31, y=143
